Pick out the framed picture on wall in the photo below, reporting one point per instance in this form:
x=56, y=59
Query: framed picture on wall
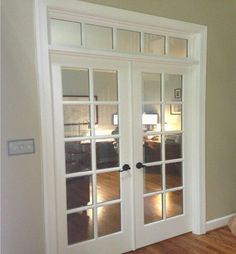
x=175, y=109
x=178, y=93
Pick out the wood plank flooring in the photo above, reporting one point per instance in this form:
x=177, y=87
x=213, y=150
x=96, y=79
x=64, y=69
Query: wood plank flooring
x=220, y=241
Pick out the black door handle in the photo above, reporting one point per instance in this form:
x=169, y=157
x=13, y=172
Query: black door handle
x=140, y=165
x=125, y=167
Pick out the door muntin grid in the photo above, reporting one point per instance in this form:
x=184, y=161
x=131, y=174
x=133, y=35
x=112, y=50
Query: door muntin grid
x=92, y=153
x=163, y=135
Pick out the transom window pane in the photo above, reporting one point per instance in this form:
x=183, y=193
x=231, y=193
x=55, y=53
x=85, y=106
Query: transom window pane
x=154, y=44
x=98, y=37
x=178, y=47
x=128, y=41
x=65, y=32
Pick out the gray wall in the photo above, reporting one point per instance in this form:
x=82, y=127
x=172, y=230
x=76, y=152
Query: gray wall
x=22, y=204
x=22, y=175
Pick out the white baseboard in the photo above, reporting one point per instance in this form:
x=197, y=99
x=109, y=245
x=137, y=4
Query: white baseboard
x=219, y=222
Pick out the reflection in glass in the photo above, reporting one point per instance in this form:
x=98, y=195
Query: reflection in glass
x=173, y=117
x=151, y=87
x=75, y=84
x=151, y=117
x=152, y=148
x=105, y=125
x=153, y=208
x=128, y=41
x=76, y=120
x=98, y=37
x=174, y=203
x=78, y=156
x=173, y=87
x=173, y=175
x=178, y=47
x=107, y=153
x=109, y=219
x=154, y=44
x=80, y=226
x=152, y=179
x=105, y=85
x=108, y=186
x=79, y=191
x=173, y=146
x=65, y=32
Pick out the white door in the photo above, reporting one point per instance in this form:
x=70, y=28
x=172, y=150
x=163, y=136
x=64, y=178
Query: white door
x=105, y=200
x=161, y=175
x=92, y=156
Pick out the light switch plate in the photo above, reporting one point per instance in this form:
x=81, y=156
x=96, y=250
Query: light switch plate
x=21, y=146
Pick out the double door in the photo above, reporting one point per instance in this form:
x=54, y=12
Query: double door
x=121, y=179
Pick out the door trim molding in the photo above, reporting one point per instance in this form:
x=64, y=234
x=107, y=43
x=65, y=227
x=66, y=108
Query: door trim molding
x=46, y=117
x=197, y=35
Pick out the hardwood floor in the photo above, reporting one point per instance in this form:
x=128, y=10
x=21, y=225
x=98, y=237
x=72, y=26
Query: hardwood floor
x=220, y=241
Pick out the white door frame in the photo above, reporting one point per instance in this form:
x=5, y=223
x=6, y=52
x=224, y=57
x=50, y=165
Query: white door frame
x=197, y=35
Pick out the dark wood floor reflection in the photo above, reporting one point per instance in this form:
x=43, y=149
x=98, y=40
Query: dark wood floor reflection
x=109, y=219
x=79, y=194
x=108, y=186
x=80, y=226
x=220, y=241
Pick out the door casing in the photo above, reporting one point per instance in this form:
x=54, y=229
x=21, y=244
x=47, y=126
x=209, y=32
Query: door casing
x=197, y=65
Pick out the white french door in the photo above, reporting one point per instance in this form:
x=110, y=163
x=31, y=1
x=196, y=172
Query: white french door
x=121, y=176
x=92, y=142
x=162, y=193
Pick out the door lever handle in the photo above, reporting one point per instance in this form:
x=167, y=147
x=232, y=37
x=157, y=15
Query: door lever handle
x=140, y=165
x=125, y=167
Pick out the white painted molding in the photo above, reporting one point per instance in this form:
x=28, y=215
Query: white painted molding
x=196, y=33
x=44, y=91
x=1, y=145
x=219, y=222
x=63, y=50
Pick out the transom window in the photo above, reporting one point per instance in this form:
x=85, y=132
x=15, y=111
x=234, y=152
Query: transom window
x=123, y=40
